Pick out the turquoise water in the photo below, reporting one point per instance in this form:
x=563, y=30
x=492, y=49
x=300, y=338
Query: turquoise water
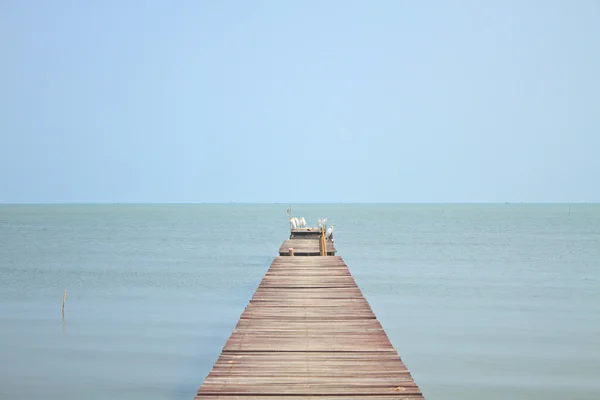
x=481, y=301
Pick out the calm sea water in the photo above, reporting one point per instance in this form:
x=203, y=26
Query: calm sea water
x=482, y=301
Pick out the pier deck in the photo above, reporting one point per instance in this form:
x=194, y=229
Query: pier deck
x=308, y=333
x=305, y=247
x=306, y=232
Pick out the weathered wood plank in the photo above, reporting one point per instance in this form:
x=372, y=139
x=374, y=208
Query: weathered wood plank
x=305, y=247
x=292, y=397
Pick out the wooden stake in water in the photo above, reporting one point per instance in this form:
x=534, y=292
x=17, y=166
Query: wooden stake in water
x=63, y=306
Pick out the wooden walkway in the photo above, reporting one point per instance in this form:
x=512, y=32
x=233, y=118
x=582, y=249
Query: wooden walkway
x=308, y=333
x=305, y=247
x=299, y=233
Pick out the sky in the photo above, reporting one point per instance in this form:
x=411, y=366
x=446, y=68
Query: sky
x=305, y=101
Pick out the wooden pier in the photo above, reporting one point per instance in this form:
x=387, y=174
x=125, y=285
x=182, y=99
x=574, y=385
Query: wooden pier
x=299, y=233
x=308, y=333
x=305, y=247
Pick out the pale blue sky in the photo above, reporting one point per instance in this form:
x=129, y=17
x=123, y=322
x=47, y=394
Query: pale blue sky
x=318, y=101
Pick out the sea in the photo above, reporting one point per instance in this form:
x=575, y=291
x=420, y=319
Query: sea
x=482, y=301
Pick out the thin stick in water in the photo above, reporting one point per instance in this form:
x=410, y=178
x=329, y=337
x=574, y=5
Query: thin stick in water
x=63, y=305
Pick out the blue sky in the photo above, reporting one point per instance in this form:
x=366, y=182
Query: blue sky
x=306, y=101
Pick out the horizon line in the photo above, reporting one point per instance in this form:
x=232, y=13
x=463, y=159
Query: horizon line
x=303, y=203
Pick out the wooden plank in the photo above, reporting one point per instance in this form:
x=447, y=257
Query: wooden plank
x=307, y=229
x=305, y=232
x=308, y=333
x=304, y=246
x=360, y=325
x=305, y=243
x=292, y=397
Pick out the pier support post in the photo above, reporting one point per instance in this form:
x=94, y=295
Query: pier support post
x=323, y=243
x=291, y=252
